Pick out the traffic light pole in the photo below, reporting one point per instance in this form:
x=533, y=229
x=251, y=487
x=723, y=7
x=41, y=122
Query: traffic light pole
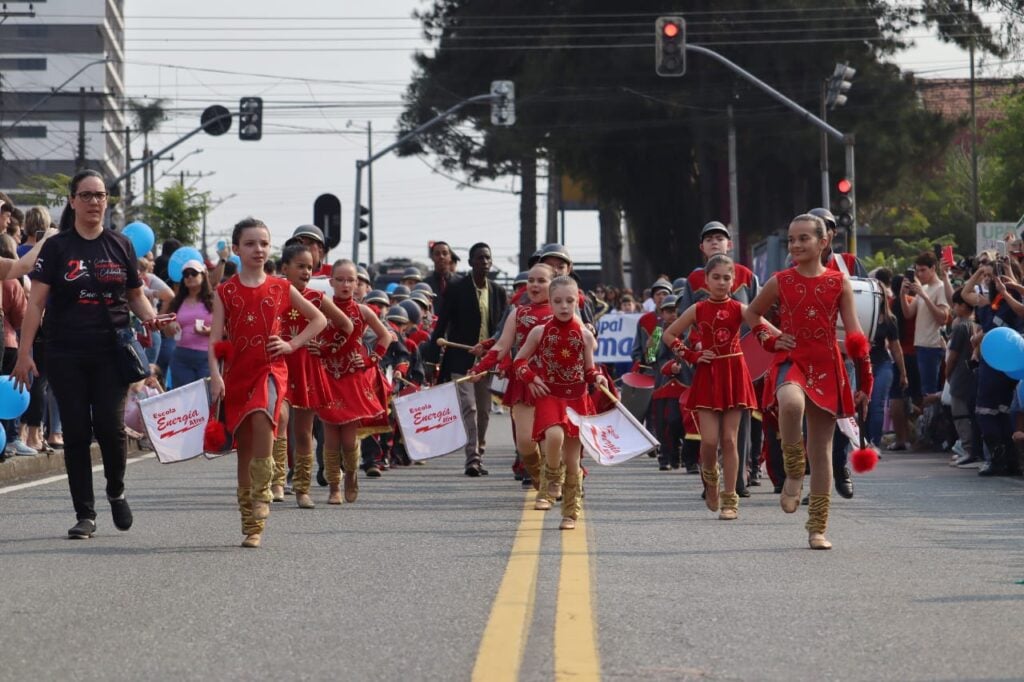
x=415, y=132
x=847, y=140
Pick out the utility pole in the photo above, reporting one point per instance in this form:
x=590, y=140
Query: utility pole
x=734, y=197
x=554, y=199
x=825, y=189
x=128, y=198
x=369, y=189
x=80, y=158
x=974, y=129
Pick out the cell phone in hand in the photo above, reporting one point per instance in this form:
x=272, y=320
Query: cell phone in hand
x=909, y=275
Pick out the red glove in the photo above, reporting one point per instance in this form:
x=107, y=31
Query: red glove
x=765, y=337
x=522, y=369
x=590, y=375
x=486, y=363
x=692, y=356
x=865, y=377
x=505, y=366
x=488, y=343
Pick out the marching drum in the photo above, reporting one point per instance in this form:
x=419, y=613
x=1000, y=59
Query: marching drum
x=636, y=393
x=867, y=299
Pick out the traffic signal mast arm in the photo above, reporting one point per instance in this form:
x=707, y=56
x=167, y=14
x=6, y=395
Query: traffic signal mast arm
x=412, y=134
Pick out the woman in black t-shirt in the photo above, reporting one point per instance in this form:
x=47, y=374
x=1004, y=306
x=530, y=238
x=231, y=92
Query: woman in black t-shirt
x=86, y=279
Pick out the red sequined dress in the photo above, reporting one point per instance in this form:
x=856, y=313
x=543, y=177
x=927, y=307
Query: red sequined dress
x=251, y=377
x=348, y=368
x=808, y=308
x=528, y=316
x=724, y=383
x=307, y=380
x=560, y=352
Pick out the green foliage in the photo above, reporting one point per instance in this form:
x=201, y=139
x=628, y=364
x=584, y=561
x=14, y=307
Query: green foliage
x=657, y=147
x=45, y=190
x=176, y=212
x=1003, y=189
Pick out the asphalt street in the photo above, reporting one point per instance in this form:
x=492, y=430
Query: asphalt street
x=435, y=576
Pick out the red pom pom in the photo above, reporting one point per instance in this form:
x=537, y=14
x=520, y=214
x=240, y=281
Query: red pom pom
x=224, y=350
x=215, y=437
x=863, y=460
x=857, y=346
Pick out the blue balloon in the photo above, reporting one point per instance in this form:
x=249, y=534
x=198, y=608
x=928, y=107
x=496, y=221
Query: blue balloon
x=3, y=439
x=177, y=261
x=13, y=402
x=236, y=260
x=1017, y=374
x=141, y=236
x=221, y=245
x=1003, y=349
x=1020, y=396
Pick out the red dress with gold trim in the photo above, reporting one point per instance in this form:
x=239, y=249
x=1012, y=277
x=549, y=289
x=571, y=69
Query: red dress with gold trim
x=251, y=317
x=528, y=316
x=724, y=383
x=561, y=367
x=348, y=368
x=808, y=307
x=307, y=380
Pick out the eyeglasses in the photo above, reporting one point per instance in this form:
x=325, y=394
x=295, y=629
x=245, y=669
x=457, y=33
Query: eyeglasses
x=92, y=197
x=190, y=273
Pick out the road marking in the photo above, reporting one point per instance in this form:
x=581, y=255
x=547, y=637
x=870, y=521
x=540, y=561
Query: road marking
x=501, y=647
x=61, y=477
x=576, y=655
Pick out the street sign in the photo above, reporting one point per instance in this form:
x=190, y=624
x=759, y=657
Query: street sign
x=327, y=216
x=216, y=120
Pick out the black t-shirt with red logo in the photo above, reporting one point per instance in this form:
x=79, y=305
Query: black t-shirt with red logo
x=84, y=274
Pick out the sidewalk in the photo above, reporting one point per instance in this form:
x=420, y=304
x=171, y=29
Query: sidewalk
x=17, y=469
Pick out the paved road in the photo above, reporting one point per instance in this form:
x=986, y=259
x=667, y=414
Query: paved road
x=431, y=575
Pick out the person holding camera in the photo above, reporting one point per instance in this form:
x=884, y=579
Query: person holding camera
x=923, y=298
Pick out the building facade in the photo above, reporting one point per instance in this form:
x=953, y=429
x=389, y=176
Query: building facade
x=62, y=101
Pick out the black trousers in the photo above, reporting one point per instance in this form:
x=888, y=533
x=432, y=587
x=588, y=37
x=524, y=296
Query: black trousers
x=90, y=395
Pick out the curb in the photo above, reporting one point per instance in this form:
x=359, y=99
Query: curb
x=18, y=469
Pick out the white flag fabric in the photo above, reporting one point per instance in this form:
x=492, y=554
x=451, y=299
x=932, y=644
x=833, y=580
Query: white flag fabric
x=850, y=429
x=612, y=437
x=176, y=421
x=431, y=421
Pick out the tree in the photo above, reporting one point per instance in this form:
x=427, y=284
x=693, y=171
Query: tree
x=176, y=212
x=655, y=148
x=1003, y=186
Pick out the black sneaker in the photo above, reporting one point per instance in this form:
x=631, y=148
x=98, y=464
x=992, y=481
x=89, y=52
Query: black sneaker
x=122, y=513
x=82, y=530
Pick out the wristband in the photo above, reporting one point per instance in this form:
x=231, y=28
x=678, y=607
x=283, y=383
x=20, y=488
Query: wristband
x=857, y=346
x=761, y=330
x=590, y=375
x=505, y=366
x=523, y=371
x=678, y=347
x=768, y=342
x=487, y=344
x=380, y=350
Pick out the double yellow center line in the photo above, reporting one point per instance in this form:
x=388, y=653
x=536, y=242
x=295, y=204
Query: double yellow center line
x=503, y=644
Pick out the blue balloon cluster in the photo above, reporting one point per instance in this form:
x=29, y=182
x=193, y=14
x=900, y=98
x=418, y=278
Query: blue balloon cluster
x=1003, y=349
x=177, y=261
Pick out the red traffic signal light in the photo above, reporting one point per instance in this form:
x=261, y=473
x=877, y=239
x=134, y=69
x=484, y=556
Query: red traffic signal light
x=670, y=30
x=844, y=186
x=670, y=46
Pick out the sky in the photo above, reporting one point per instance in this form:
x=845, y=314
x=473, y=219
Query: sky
x=326, y=69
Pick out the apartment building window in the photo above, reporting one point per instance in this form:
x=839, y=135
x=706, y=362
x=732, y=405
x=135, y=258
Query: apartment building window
x=22, y=64
x=26, y=131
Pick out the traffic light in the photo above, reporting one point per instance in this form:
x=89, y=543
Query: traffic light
x=327, y=216
x=503, y=107
x=838, y=85
x=250, y=118
x=670, y=46
x=844, y=204
x=364, y=224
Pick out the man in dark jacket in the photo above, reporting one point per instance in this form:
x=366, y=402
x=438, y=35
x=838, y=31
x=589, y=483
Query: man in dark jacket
x=470, y=313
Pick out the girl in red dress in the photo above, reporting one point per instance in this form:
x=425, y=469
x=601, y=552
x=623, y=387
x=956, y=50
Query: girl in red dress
x=247, y=310
x=350, y=369
x=520, y=320
x=308, y=390
x=721, y=389
x=565, y=353
x=808, y=380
